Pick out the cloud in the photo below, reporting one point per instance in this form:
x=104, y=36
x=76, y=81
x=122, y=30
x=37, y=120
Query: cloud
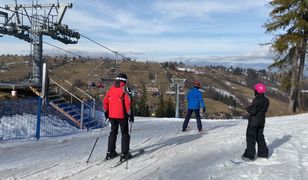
x=202, y=8
x=99, y=16
x=156, y=48
x=109, y=18
x=164, y=29
x=11, y=47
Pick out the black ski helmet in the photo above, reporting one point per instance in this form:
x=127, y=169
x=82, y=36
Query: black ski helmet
x=121, y=77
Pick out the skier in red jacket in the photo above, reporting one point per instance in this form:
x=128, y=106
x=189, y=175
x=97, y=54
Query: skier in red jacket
x=117, y=107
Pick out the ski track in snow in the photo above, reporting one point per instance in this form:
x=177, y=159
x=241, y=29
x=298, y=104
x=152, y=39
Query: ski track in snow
x=169, y=153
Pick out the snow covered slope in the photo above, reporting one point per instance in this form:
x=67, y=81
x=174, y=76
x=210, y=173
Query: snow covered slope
x=169, y=153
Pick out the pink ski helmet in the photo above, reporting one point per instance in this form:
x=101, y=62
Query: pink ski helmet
x=260, y=88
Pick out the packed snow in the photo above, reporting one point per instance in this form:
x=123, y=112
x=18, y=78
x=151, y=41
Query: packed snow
x=195, y=71
x=169, y=153
x=186, y=69
x=226, y=93
x=230, y=84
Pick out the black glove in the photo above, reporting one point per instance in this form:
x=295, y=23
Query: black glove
x=131, y=118
x=204, y=110
x=106, y=115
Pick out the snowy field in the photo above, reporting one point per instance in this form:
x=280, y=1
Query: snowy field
x=169, y=153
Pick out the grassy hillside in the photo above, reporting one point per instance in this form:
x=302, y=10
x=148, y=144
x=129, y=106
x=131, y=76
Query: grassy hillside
x=14, y=68
x=81, y=72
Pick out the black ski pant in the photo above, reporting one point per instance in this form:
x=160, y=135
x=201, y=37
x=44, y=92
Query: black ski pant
x=188, y=116
x=254, y=134
x=115, y=123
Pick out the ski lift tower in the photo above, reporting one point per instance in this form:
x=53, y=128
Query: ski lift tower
x=178, y=83
x=30, y=22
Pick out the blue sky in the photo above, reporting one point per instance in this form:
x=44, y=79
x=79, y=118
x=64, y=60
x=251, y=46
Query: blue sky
x=200, y=30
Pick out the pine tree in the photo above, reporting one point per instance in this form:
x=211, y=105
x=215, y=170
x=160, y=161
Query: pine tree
x=251, y=78
x=290, y=17
x=170, y=109
x=142, y=103
x=160, y=112
x=135, y=107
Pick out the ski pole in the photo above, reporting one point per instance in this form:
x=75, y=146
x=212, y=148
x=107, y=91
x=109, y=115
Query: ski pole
x=130, y=131
x=130, y=128
x=95, y=143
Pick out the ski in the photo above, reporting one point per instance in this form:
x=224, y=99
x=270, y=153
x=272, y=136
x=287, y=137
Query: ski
x=105, y=160
x=236, y=162
x=100, y=162
x=240, y=161
x=136, y=154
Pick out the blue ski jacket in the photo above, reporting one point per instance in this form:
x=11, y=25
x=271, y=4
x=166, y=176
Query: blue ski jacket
x=194, y=98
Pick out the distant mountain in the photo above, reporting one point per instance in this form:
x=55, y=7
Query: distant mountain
x=257, y=66
x=228, y=64
x=253, y=62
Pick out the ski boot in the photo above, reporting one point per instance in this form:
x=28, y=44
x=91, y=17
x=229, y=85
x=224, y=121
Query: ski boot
x=125, y=156
x=247, y=159
x=264, y=157
x=111, y=155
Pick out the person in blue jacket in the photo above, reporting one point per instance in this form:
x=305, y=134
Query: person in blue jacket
x=194, y=98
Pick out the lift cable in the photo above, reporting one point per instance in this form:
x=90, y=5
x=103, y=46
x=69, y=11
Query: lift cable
x=79, y=56
x=86, y=37
x=82, y=35
x=115, y=52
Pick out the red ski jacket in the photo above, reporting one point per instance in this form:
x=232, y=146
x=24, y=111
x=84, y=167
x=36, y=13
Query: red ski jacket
x=113, y=102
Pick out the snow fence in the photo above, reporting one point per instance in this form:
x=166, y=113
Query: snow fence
x=19, y=117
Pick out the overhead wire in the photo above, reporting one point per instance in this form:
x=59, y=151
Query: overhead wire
x=113, y=51
x=82, y=35
x=79, y=56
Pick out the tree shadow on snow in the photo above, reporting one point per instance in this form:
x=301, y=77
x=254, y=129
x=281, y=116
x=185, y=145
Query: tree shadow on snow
x=172, y=142
x=178, y=140
x=276, y=143
x=222, y=127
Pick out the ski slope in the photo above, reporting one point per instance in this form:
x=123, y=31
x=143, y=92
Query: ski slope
x=169, y=153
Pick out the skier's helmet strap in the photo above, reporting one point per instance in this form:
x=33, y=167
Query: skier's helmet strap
x=121, y=77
